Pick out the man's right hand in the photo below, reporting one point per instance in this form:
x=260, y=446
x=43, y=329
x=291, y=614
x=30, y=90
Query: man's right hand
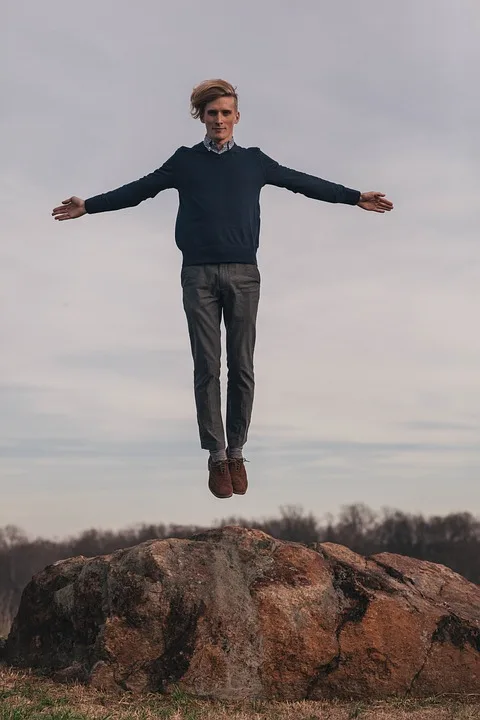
x=71, y=208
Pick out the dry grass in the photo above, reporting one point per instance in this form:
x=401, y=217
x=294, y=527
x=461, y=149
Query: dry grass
x=26, y=696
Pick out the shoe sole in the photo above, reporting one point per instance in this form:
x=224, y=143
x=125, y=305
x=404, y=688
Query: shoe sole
x=221, y=497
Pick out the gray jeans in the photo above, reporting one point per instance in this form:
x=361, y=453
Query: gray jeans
x=208, y=291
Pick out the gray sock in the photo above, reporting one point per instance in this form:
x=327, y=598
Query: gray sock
x=218, y=455
x=236, y=453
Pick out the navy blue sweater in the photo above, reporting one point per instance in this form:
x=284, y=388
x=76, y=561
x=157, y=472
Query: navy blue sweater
x=218, y=218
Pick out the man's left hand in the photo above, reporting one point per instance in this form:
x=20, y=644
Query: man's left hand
x=375, y=201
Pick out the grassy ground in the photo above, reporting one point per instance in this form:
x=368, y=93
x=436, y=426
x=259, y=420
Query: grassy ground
x=24, y=695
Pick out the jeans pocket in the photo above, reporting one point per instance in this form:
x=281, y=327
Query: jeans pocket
x=189, y=273
x=247, y=270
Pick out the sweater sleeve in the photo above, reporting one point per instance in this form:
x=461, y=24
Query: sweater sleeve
x=308, y=185
x=135, y=192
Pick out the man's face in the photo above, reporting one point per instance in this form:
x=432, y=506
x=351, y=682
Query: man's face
x=219, y=117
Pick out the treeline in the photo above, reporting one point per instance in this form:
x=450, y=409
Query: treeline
x=452, y=540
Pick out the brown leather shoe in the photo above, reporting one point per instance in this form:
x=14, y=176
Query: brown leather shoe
x=219, y=481
x=238, y=475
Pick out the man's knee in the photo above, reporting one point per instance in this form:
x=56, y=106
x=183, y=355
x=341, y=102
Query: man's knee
x=205, y=374
x=242, y=374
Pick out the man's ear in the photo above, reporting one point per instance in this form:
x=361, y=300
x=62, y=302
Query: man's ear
x=237, y=118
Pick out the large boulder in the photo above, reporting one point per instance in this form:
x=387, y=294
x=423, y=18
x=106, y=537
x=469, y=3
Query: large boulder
x=233, y=613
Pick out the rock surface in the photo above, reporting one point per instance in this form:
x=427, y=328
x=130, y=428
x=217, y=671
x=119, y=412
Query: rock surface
x=233, y=613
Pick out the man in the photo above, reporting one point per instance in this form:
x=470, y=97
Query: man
x=217, y=230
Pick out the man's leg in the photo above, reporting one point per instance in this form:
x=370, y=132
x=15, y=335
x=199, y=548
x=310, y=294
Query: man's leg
x=240, y=295
x=202, y=305
x=203, y=308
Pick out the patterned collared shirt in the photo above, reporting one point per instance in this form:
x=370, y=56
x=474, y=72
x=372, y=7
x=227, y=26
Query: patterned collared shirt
x=211, y=145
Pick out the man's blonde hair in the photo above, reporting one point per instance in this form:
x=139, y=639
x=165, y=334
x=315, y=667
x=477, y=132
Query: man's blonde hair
x=208, y=91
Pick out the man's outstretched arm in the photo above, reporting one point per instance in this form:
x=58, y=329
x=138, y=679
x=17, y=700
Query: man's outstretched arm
x=319, y=189
x=126, y=196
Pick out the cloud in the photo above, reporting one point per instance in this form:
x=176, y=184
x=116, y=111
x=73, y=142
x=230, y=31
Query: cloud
x=367, y=355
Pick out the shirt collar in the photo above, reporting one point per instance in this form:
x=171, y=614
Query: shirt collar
x=210, y=145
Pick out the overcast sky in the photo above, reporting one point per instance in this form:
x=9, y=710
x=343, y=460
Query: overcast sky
x=368, y=350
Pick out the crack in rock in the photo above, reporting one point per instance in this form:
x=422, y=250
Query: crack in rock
x=343, y=580
x=419, y=671
x=450, y=629
x=395, y=574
